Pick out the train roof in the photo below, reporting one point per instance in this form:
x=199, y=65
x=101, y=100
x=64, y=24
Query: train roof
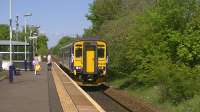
x=66, y=46
x=84, y=39
x=89, y=39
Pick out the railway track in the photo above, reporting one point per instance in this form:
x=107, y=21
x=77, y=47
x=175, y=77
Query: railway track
x=106, y=102
x=112, y=100
x=97, y=93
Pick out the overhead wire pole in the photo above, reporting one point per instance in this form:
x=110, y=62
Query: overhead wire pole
x=17, y=32
x=17, y=28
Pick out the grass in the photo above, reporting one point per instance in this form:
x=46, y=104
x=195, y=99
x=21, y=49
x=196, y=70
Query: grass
x=118, y=83
x=151, y=95
x=192, y=105
x=2, y=74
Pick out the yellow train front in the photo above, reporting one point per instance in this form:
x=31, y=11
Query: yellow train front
x=87, y=60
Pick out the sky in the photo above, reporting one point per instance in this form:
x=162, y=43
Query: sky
x=55, y=17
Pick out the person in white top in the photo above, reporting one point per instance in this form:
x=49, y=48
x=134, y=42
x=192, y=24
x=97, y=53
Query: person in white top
x=49, y=61
x=39, y=58
x=35, y=62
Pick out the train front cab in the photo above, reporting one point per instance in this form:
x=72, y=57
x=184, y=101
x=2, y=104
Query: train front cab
x=90, y=61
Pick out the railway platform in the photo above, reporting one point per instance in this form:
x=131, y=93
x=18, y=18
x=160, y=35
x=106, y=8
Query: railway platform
x=47, y=92
x=28, y=93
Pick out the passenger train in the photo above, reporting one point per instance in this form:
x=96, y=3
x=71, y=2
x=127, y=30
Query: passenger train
x=87, y=60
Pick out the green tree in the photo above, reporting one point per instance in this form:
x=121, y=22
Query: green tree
x=4, y=32
x=103, y=10
x=62, y=42
x=42, y=44
x=157, y=43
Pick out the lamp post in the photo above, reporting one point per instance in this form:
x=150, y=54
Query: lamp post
x=34, y=37
x=37, y=28
x=25, y=21
x=10, y=20
x=11, y=66
x=25, y=42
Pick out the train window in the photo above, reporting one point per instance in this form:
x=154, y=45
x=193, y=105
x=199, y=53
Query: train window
x=100, y=52
x=78, y=52
x=78, y=45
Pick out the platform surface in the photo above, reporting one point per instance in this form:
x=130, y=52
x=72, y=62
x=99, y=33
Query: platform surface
x=72, y=97
x=30, y=93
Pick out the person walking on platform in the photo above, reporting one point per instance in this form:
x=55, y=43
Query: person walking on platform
x=36, y=64
x=49, y=62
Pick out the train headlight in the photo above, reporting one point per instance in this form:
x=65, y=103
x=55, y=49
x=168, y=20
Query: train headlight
x=101, y=67
x=78, y=68
x=104, y=72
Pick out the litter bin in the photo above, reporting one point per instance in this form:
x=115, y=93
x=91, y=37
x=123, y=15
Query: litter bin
x=12, y=72
x=1, y=61
x=0, y=65
x=25, y=65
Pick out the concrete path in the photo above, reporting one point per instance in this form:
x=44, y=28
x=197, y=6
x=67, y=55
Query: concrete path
x=29, y=93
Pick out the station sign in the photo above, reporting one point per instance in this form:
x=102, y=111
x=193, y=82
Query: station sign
x=33, y=37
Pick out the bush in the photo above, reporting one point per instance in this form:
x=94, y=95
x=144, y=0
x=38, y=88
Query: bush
x=189, y=106
x=157, y=45
x=177, y=82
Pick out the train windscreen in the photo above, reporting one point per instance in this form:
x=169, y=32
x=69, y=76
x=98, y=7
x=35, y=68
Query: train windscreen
x=78, y=52
x=100, y=52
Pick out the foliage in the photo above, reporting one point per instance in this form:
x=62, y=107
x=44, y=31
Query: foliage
x=21, y=34
x=103, y=10
x=42, y=44
x=177, y=83
x=89, y=32
x=4, y=32
x=157, y=44
x=62, y=42
x=189, y=106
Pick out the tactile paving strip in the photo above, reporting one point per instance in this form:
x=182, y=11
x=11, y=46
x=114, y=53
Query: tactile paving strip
x=71, y=96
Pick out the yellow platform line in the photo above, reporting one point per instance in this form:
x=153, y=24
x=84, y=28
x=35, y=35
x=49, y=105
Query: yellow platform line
x=65, y=100
x=95, y=104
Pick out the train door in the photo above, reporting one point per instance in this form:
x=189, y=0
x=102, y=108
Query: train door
x=90, y=59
